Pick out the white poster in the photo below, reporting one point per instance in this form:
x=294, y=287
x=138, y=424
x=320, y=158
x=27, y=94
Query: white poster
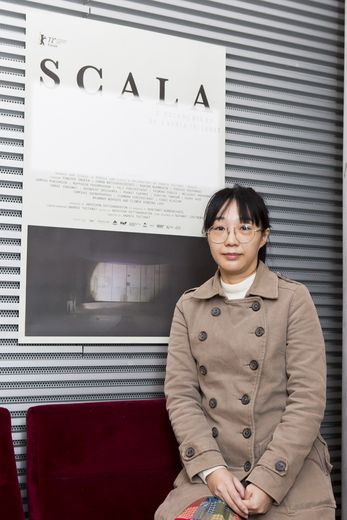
x=124, y=144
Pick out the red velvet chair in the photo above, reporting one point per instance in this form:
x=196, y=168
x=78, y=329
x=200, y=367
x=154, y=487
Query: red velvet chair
x=99, y=461
x=10, y=499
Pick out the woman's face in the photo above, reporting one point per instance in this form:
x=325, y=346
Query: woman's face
x=236, y=260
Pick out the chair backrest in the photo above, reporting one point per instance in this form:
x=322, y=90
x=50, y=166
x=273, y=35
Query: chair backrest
x=104, y=460
x=11, y=507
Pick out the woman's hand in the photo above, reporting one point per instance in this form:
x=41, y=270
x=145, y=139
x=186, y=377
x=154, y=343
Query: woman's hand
x=224, y=485
x=256, y=500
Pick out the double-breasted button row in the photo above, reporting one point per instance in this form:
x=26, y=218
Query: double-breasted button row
x=254, y=365
x=245, y=399
x=256, y=306
x=215, y=311
x=259, y=331
x=212, y=403
x=202, y=335
x=190, y=452
x=247, y=432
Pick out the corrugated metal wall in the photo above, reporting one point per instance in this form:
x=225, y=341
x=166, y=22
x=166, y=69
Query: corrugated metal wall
x=284, y=137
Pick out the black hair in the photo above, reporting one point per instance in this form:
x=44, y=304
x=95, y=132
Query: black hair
x=250, y=204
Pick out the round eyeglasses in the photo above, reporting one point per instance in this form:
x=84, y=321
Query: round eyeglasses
x=243, y=233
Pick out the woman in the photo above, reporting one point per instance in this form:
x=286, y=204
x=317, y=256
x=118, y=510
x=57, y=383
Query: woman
x=245, y=380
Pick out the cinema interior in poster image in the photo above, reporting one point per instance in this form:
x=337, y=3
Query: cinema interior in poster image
x=104, y=283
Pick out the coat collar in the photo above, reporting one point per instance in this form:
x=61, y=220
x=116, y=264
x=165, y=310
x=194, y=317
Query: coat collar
x=265, y=285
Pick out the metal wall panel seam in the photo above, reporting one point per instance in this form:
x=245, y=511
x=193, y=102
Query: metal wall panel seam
x=252, y=91
x=301, y=203
x=9, y=306
x=11, y=133
x=115, y=364
x=266, y=163
x=7, y=48
x=280, y=166
x=258, y=116
x=293, y=75
x=15, y=57
x=311, y=113
x=284, y=8
x=288, y=85
x=311, y=263
x=49, y=393
x=281, y=155
x=70, y=6
x=10, y=218
x=11, y=94
x=100, y=350
x=10, y=191
x=49, y=352
x=11, y=25
x=299, y=194
x=6, y=43
x=280, y=131
x=261, y=113
x=10, y=246
x=244, y=22
x=315, y=5
x=290, y=178
x=8, y=32
x=65, y=379
x=10, y=118
x=278, y=238
x=253, y=138
x=304, y=253
x=11, y=75
x=332, y=223
x=136, y=393
x=235, y=42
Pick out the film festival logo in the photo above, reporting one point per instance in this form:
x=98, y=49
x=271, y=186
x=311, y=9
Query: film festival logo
x=51, y=41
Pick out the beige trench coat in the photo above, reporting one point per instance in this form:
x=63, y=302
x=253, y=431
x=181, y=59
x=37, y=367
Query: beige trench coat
x=245, y=387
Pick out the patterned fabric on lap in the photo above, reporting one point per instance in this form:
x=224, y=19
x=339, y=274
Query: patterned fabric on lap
x=208, y=508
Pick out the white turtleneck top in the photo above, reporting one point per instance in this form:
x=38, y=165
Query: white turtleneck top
x=239, y=290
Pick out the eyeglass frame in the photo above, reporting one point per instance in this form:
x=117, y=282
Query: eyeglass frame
x=228, y=233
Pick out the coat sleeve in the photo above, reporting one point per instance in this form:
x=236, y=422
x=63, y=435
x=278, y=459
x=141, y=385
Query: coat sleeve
x=198, y=449
x=294, y=436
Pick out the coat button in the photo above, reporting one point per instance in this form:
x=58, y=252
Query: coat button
x=202, y=335
x=190, y=452
x=203, y=370
x=259, y=331
x=247, y=466
x=253, y=365
x=245, y=399
x=280, y=466
x=215, y=311
x=215, y=432
x=256, y=306
x=247, y=432
x=212, y=402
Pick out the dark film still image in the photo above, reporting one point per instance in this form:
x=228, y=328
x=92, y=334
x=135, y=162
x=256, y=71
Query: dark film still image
x=105, y=283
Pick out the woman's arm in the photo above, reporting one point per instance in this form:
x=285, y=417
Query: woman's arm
x=293, y=438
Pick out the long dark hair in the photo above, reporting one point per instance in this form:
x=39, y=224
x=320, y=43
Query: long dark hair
x=250, y=204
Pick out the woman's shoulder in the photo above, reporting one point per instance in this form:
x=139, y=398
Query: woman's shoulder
x=297, y=290
x=286, y=279
x=204, y=291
